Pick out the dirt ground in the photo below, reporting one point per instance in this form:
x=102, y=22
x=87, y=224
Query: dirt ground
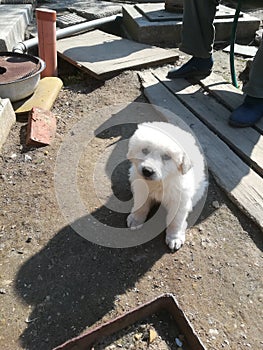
x=54, y=284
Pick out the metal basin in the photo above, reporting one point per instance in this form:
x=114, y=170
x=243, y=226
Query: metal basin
x=19, y=75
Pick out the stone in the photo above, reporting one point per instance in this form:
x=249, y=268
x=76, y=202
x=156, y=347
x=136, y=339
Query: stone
x=44, y=96
x=96, y=9
x=13, y=23
x=7, y=119
x=150, y=24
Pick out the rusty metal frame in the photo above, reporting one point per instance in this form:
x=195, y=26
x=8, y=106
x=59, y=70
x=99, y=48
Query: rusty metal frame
x=165, y=302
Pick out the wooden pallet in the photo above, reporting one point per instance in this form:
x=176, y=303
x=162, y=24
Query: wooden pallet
x=234, y=156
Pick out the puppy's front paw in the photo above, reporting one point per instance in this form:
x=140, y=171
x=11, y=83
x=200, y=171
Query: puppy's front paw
x=173, y=242
x=135, y=222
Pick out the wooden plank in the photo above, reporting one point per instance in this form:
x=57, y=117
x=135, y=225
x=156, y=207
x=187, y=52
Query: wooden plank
x=226, y=93
x=248, y=143
x=101, y=54
x=242, y=184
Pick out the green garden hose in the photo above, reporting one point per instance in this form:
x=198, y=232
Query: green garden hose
x=232, y=45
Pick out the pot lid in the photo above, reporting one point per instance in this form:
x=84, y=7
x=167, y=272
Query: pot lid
x=15, y=66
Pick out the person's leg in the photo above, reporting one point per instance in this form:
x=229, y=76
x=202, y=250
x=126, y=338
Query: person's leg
x=251, y=111
x=198, y=34
x=254, y=87
x=198, y=30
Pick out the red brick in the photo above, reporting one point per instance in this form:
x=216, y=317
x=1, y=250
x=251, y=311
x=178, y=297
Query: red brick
x=41, y=127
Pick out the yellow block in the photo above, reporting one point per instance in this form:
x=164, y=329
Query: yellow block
x=44, y=96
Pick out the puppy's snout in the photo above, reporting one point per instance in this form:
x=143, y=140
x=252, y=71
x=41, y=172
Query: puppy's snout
x=147, y=172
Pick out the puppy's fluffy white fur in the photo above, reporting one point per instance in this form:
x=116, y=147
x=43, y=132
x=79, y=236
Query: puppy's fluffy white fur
x=159, y=164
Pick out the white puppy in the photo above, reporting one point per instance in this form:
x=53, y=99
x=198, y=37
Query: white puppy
x=160, y=161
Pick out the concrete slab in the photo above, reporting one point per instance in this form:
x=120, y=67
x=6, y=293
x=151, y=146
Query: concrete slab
x=157, y=12
x=168, y=31
x=96, y=9
x=14, y=20
x=58, y=5
x=101, y=54
x=15, y=2
x=7, y=119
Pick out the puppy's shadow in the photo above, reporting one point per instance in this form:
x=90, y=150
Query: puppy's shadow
x=118, y=174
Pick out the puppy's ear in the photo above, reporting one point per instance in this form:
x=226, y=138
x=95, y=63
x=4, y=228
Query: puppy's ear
x=133, y=147
x=131, y=151
x=129, y=154
x=185, y=164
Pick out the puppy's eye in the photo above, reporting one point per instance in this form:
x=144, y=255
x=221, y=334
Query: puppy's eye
x=145, y=151
x=166, y=157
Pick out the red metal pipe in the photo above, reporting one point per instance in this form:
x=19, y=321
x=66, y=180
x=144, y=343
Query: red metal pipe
x=47, y=45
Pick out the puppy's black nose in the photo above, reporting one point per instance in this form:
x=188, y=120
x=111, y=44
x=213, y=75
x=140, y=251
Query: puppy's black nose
x=147, y=171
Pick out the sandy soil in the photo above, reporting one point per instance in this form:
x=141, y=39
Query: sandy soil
x=54, y=283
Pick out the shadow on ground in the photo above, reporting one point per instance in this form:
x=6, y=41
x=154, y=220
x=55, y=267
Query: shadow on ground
x=72, y=283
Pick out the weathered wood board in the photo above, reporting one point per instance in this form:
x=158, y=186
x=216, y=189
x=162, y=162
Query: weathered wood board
x=244, y=50
x=101, y=54
x=226, y=93
x=242, y=184
x=246, y=142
